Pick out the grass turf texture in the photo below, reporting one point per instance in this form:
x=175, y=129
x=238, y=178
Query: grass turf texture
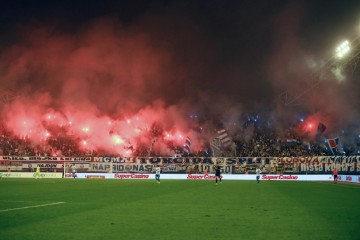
x=177, y=209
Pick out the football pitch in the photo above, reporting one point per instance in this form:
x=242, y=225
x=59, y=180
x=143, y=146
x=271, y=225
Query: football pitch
x=44, y=209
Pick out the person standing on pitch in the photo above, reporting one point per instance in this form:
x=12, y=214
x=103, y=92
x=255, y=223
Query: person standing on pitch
x=258, y=172
x=37, y=173
x=73, y=171
x=157, y=174
x=335, y=174
x=217, y=174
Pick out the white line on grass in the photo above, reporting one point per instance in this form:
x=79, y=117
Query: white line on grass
x=34, y=206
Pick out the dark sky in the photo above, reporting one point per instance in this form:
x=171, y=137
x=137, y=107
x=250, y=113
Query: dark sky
x=202, y=55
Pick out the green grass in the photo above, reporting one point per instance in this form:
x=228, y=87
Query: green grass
x=177, y=209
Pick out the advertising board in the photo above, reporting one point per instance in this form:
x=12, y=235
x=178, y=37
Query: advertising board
x=265, y=177
x=31, y=175
x=349, y=178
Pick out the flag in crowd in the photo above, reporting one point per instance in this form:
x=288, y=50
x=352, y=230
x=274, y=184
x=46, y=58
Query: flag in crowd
x=333, y=144
x=187, y=145
x=224, y=138
x=321, y=128
x=220, y=141
x=215, y=144
x=292, y=141
x=216, y=147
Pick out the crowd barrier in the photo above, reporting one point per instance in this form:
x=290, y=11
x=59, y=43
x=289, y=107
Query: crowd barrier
x=268, y=177
x=181, y=165
x=30, y=175
x=349, y=178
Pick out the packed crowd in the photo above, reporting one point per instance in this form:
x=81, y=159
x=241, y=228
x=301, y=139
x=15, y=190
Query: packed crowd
x=270, y=145
x=262, y=142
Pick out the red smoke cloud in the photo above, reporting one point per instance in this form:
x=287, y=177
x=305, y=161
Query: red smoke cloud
x=102, y=88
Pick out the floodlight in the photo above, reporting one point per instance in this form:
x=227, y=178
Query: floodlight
x=342, y=49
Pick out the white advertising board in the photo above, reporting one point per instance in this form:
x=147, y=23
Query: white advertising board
x=349, y=178
x=265, y=177
x=30, y=175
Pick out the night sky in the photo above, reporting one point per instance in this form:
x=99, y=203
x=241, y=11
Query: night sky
x=218, y=59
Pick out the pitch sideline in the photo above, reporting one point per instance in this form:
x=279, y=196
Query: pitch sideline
x=34, y=206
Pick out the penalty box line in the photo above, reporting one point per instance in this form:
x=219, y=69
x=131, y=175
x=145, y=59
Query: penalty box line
x=34, y=206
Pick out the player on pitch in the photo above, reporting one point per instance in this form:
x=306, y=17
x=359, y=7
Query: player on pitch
x=73, y=171
x=258, y=172
x=217, y=174
x=37, y=172
x=157, y=174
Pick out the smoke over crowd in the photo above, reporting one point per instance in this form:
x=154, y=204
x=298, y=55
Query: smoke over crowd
x=167, y=75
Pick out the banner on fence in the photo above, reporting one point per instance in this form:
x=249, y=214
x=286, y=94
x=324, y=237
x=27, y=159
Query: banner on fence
x=30, y=175
x=264, y=177
x=349, y=178
x=193, y=165
x=41, y=165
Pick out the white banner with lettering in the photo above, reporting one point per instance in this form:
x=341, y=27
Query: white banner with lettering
x=265, y=177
